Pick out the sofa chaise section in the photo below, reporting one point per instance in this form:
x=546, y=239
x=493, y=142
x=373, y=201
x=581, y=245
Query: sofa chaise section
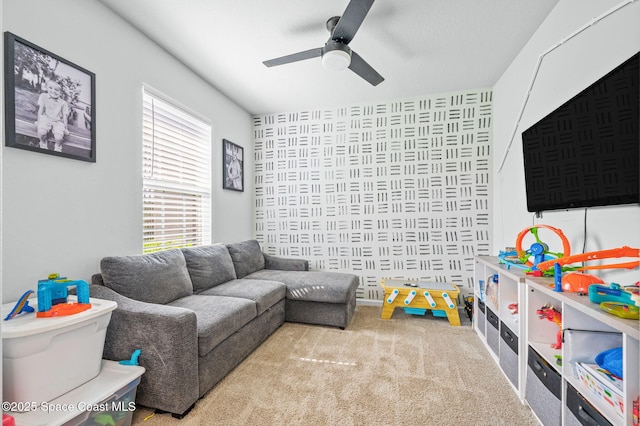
x=312, y=297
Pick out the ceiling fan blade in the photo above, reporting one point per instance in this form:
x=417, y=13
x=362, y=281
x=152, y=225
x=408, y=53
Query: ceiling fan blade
x=364, y=70
x=351, y=20
x=300, y=56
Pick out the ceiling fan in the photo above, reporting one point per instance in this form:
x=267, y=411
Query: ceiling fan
x=336, y=54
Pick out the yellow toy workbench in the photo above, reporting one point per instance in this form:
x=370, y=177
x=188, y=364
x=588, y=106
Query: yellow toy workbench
x=437, y=296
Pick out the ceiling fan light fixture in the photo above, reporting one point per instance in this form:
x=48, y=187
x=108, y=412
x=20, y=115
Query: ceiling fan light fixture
x=337, y=58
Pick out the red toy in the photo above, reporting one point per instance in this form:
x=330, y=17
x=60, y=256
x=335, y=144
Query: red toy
x=7, y=420
x=550, y=313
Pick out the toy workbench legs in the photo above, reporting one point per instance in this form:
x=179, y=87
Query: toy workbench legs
x=420, y=295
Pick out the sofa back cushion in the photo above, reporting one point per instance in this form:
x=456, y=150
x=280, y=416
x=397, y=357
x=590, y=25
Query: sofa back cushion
x=247, y=257
x=209, y=266
x=160, y=277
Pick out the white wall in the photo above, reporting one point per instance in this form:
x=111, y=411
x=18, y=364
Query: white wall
x=62, y=215
x=563, y=73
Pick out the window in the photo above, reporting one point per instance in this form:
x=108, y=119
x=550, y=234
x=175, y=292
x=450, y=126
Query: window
x=176, y=172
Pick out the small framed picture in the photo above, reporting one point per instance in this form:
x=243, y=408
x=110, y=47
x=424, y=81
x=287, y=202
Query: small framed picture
x=233, y=166
x=49, y=102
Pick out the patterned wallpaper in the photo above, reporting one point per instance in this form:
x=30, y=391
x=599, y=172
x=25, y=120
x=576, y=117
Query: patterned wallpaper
x=390, y=190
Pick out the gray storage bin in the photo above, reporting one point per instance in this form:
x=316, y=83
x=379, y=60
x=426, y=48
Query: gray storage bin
x=509, y=353
x=543, y=390
x=579, y=411
x=481, y=317
x=493, y=333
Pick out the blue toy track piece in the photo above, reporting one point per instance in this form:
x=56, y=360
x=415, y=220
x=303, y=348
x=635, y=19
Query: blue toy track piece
x=614, y=293
x=510, y=258
x=22, y=305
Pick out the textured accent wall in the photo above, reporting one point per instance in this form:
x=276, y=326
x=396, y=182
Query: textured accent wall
x=390, y=190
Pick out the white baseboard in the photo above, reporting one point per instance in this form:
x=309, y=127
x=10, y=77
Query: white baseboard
x=368, y=302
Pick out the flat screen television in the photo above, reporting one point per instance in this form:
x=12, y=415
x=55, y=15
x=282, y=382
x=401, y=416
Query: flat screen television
x=586, y=152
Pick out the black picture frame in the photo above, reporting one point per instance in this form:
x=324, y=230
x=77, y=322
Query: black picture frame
x=31, y=73
x=232, y=166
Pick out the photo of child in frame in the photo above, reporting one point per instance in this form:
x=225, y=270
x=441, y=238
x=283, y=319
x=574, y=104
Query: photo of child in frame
x=233, y=166
x=49, y=102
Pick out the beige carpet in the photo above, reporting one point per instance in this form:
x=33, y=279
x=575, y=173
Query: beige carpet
x=408, y=370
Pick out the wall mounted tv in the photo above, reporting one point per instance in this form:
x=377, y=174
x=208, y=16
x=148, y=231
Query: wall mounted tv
x=586, y=152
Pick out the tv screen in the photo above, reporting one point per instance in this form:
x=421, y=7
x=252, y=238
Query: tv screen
x=586, y=152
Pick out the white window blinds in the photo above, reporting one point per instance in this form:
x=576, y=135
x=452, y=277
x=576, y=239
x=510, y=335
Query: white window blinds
x=176, y=172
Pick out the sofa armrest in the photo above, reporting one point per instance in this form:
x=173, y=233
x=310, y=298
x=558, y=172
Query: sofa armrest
x=97, y=279
x=285, y=264
x=167, y=338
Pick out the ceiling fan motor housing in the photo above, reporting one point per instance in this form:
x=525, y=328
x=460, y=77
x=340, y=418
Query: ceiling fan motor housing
x=331, y=23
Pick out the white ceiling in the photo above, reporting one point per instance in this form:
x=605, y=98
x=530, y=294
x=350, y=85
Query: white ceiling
x=420, y=47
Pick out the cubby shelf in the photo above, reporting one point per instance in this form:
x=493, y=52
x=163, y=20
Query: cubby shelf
x=510, y=289
x=535, y=337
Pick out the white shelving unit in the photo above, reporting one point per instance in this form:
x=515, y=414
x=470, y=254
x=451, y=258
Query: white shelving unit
x=510, y=332
x=578, y=313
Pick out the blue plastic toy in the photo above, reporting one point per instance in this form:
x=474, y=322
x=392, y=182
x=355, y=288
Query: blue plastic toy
x=614, y=293
x=557, y=277
x=22, y=305
x=510, y=258
x=415, y=311
x=54, y=290
x=611, y=360
x=134, y=358
x=52, y=297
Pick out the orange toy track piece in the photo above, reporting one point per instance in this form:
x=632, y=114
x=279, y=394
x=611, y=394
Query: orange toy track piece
x=566, y=247
x=64, y=309
x=625, y=251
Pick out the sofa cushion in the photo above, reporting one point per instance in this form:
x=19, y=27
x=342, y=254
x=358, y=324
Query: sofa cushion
x=264, y=292
x=247, y=257
x=284, y=263
x=209, y=266
x=217, y=317
x=313, y=286
x=160, y=277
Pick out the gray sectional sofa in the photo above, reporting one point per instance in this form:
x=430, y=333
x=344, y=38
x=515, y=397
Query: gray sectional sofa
x=196, y=313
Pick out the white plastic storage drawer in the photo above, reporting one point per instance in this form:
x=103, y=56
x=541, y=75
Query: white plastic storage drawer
x=43, y=358
x=117, y=409
x=109, y=399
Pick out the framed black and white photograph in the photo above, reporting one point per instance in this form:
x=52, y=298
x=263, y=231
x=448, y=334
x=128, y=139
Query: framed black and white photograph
x=49, y=102
x=233, y=166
